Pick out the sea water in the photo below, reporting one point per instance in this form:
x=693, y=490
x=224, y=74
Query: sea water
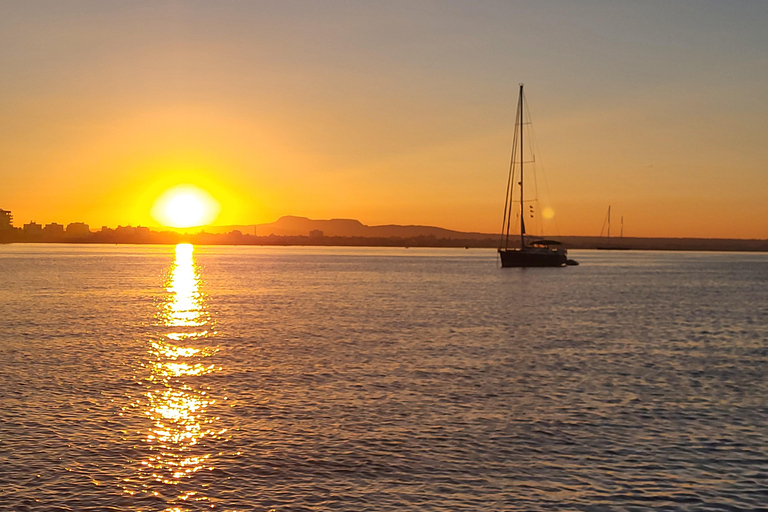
x=161, y=378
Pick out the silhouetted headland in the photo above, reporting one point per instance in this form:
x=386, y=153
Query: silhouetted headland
x=291, y=231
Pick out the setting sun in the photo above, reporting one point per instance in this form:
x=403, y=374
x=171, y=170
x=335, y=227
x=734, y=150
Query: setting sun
x=185, y=206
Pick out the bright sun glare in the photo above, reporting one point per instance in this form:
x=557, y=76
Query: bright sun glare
x=185, y=206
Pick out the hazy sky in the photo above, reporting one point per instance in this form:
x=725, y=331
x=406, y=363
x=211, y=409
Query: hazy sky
x=389, y=111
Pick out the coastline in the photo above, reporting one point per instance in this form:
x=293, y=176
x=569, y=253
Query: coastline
x=488, y=242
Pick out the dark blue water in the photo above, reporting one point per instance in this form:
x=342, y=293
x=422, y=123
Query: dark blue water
x=245, y=378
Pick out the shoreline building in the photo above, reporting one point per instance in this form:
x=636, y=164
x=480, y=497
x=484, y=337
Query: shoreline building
x=79, y=229
x=54, y=230
x=6, y=220
x=33, y=228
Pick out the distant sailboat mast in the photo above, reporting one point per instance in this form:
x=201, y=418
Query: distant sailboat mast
x=605, y=242
x=606, y=223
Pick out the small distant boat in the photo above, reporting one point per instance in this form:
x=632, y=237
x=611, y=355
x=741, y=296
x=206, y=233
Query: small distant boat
x=609, y=245
x=532, y=252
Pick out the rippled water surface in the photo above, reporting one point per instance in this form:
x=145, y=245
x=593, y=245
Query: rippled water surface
x=247, y=378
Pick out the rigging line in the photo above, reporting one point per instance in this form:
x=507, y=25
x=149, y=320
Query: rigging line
x=535, y=147
x=537, y=224
x=510, y=193
x=511, y=186
x=536, y=190
x=509, y=200
x=506, y=205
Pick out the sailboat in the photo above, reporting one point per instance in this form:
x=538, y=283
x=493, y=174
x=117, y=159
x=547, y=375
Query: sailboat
x=609, y=246
x=532, y=252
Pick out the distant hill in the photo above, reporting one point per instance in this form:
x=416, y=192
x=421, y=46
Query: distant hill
x=301, y=226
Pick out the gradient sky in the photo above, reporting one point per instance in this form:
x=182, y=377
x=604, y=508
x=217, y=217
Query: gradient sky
x=388, y=112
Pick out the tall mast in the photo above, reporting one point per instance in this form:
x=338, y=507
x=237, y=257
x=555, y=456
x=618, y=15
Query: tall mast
x=506, y=224
x=609, y=221
x=522, y=158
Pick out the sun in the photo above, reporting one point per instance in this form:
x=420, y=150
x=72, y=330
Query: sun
x=185, y=206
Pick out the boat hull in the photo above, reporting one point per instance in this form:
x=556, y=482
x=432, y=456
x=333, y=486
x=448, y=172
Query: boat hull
x=535, y=258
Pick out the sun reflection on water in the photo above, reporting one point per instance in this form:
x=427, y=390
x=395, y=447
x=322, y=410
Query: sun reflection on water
x=177, y=444
x=186, y=309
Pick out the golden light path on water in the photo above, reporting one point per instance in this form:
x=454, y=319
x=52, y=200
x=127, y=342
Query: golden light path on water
x=175, y=403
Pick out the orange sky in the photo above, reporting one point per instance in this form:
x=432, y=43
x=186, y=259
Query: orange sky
x=388, y=112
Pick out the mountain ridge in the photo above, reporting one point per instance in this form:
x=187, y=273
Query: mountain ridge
x=291, y=225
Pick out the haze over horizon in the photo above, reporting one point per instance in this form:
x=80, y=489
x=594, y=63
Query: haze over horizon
x=388, y=112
